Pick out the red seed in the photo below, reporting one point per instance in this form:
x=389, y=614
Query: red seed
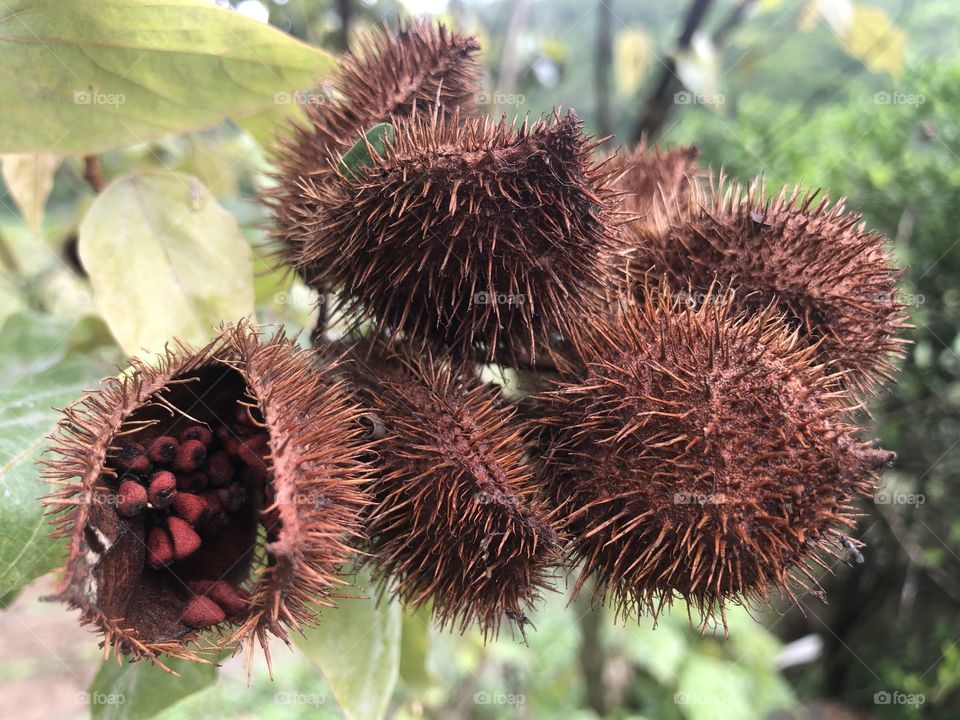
x=233, y=497
x=190, y=456
x=189, y=506
x=253, y=451
x=163, y=488
x=185, y=539
x=192, y=482
x=232, y=599
x=200, y=612
x=131, y=498
x=163, y=449
x=159, y=547
x=219, y=469
x=197, y=432
x=131, y=457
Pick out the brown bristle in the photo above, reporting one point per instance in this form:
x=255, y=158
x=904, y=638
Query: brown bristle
x=479, y=234
x=833, y=280
x=704, y=455
x=456, y=521
x=420, y=65
x=311, y=446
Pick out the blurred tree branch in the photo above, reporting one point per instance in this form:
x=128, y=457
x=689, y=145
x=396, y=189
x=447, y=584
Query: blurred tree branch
x=603, y=62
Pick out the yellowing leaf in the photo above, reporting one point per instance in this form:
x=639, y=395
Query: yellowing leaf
x=631, y=58
x=165, y=260
x=875, y=40
x=85, y=76
x=29, y=178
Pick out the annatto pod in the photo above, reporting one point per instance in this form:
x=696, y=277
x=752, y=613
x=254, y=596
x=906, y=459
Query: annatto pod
x=833, y=280
x=165, y=475
x=418, y=65
x=456, y=520
x=657, y=185
x=478, y=234
x=703, y=455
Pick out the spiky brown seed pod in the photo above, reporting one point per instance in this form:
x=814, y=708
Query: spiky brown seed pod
x=419, y=65
x=131, y=574
x=657, y=185
x=474, y=233
x=703, y=455
x=456, y=520
x=832, y=279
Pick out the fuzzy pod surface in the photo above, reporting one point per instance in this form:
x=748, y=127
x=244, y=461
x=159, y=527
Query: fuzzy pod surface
x=483, y=236
x=704, y=455
x=419, y=65
x=456, y=520
x=833, y=280
x=258, y=442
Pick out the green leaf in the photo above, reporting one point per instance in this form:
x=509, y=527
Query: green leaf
x=359, y=155
x=29, y=178
x=86, y=76
x=415, y=644
x=165, y=260
x=140, y=690
x=39, y=372
x=357, y=646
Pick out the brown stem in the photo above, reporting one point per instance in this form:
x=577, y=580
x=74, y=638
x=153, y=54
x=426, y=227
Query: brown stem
x=345, y=11
x=591, y=651
x=93, y=173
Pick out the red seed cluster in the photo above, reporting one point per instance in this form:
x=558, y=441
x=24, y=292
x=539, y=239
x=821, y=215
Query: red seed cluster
x=186, y=487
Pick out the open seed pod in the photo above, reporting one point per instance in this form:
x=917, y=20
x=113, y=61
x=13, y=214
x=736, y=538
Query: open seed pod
x=703, y=455
x=419, y=65
x=218, y=489
x=456, y=520
x=832, y=279
x=472, y=233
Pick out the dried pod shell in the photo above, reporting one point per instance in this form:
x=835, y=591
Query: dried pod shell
x=419, y=65
x=456, y=519
x=144, y=606
x=832, y=279
x=703, y=455
x=476, y=234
